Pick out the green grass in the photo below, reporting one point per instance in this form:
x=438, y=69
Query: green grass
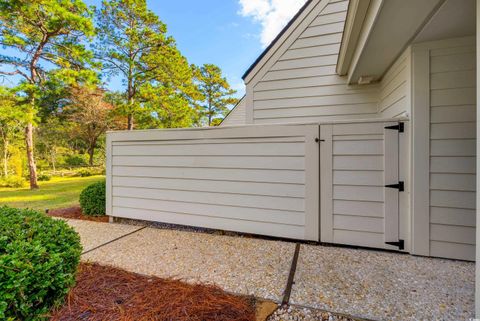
x=59, y=192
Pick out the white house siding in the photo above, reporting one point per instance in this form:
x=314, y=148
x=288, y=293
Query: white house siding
x=452, y=151
x=354, y=202
x=394, y=99
x=237, y=115
x=302, y=86
x=261, y=180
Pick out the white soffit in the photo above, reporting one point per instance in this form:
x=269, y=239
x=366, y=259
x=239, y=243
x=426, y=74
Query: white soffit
x=396, y=24
x=454, y=19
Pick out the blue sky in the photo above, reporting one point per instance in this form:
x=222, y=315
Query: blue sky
x=210, y=31
x=228, y=33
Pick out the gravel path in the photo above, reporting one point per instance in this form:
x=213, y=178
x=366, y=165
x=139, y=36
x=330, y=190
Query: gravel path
x=384, y=286
x=292, y=313
x=94, y=234
x=241, y=265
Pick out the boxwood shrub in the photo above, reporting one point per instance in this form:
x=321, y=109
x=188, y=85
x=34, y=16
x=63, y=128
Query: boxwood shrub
x=38, y=262
x=92, y=199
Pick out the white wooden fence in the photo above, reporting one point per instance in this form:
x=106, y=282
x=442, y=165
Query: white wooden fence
x=255, y=179
x=271, y=179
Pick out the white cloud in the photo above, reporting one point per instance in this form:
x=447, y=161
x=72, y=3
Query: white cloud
x=273, y=15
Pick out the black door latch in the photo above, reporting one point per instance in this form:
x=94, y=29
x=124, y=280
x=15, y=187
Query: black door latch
x=400, y=186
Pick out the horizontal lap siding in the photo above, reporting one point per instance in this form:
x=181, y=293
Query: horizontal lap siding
x=393, y=100
x=452, y=152
x=358, y=200
x=237, y=116
x=302, y=86
x=254, y=185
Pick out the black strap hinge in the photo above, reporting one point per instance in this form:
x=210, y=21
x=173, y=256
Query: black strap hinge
x=400, y=244
x=400, y=127
x=400, y=186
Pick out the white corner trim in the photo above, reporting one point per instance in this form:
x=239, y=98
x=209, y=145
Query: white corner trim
x=420, y=142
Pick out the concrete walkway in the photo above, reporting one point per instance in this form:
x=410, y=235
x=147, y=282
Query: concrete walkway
x=361, y=283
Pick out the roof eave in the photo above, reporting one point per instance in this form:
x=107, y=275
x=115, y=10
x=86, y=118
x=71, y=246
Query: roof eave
x=357, y=11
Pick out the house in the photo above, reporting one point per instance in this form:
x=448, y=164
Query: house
x=358, y=127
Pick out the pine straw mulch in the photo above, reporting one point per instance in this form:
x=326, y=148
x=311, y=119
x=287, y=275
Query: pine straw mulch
x=106, y=293
x=75, y=212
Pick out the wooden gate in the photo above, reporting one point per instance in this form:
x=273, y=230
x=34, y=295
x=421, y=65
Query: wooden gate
x=362, y=184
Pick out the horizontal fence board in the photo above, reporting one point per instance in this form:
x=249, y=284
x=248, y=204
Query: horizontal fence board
x=246, y=162
x=211, y=210
x=222, y=223
x=249, y=175
x=260, y=149
x=358, y=163
x=366, y=178
x=357, y=238
x=368, y=209
x=256, y=201
x=216, y=186
x=370, y=147
x=358, y=223
x=358, y=193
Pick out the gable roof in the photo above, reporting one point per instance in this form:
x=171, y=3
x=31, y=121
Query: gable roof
x=270, y=46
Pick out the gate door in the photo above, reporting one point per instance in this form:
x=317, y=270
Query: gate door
x=361, y=185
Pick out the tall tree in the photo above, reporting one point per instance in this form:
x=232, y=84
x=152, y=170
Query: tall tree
x=133, y=44
x=45, y=39
x=91, y=115
x=12, y=121
x=218, y=95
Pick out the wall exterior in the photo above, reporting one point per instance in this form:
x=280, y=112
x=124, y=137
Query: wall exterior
x=394, y=97
x=446, y=152
x=261, y=180
x=237, y=115
x=299, y=83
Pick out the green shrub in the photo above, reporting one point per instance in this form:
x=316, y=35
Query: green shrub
x=13, y=182
x=43, y=178
x=92, y=199
x=85, y=172
x=76, y=160
x=38, y=262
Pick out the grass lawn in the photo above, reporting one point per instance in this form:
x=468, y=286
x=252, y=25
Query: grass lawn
x=59, y=192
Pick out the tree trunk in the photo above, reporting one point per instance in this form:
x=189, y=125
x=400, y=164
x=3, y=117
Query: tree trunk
x=5, y=158
x=90, y=155
x=130, y=122
x=32, y=167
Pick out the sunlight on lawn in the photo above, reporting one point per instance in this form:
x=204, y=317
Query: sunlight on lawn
x=59, y=192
